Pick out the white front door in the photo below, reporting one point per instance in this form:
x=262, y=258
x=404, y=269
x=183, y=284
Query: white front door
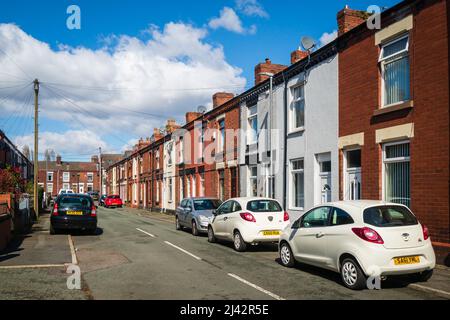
x=353, y=188
x=325, y=187
x=81, y=188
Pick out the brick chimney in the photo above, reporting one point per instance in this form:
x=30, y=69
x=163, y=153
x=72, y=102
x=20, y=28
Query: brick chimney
x=58, y=159
x=220, y=98
x=94, y=159
x=298, y=55
x=191, y=116
x=266, y=67
x=348, y=19
x=157, y=134
x=172, y=125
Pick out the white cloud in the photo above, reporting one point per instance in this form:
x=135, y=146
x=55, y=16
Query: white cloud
x=72, y=142
x=171, y=72
x=327, y=37
x=229, y=20
x=251, y=8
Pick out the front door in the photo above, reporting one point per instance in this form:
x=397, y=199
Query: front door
x=325, y=187
x=353, y=179
x=81, y=187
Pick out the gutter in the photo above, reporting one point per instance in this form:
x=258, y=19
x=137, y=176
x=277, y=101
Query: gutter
x=285, y=121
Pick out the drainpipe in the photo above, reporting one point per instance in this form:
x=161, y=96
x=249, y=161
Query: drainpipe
x=285, y=141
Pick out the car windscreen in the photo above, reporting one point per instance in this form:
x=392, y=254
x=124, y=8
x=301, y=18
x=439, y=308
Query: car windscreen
x=206, y=204
x=389, y=216
x=113, y=197
x=68, y=202
x=263, y=206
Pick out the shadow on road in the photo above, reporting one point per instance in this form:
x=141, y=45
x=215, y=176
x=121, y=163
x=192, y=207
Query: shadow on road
x=82, y=233
x=11, y=251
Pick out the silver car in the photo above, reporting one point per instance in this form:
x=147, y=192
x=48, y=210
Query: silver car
x=196, y=214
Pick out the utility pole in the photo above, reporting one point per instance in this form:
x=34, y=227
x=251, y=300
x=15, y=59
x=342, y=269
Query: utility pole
x=100, y=171
x=36, y=140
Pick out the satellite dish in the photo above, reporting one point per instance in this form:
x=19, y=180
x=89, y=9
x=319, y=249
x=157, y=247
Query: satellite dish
x=308, y=43
x=201, y=109
x=162, y=129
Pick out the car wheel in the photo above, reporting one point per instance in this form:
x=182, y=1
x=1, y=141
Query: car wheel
x=239, y=244
x=352, y=275
x=211, y=237
x=194, y=228
x=423, y=276
x=177, y=224
x=286, y=255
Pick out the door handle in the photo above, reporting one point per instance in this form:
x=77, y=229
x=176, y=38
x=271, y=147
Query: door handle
x=225, y=219
x=319, y=235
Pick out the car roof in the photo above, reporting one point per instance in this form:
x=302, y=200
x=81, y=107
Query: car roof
x=200, y=198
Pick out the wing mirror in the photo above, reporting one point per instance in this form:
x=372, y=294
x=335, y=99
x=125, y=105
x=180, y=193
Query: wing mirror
x=189, y=209
x=214, y=212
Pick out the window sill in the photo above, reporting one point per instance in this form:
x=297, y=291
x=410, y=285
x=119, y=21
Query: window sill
x=395, y=107
x=297, y=130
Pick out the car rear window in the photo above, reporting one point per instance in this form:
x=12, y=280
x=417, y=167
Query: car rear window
x=206, y=204
x=114, y=197
x=263, y=206
x=389, y=216
x=75, y=201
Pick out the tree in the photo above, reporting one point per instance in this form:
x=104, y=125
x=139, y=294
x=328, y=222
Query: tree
x=11, y=181
x=26, y=151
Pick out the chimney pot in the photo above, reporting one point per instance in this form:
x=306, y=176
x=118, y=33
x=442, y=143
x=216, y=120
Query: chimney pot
x=266, y=67
x=348, y=19
x=298, y=55
x=220, y=98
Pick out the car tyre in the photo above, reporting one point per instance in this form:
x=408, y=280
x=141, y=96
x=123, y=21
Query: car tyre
x=286, y=255
x=194, y=228
x=238, y=241
x=352, y=275
x=211, y=237
x=423, y=276
x=177, y=224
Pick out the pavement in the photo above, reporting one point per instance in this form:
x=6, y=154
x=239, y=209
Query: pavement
x=138, y=254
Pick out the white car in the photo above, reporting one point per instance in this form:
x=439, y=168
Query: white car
x=65, y=191
x=248, y=221
x=360, y=239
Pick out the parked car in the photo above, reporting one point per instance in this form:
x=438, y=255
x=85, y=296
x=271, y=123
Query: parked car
x=356, y=237
x=248, y=221
x=196, y=214
x=65, y=191
x=101, y=201
x=73, y=211
x=113, y=201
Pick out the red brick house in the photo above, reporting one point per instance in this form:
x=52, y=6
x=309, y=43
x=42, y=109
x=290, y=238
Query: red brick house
x=394, y=110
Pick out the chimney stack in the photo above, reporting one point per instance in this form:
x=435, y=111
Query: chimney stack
x=298, y=55
x=172, y=125
x=220, y=98
x=157, y=134
x=348, y=19
x=58, y=159
x=191, y=116
x=94, y=159
x=266, y=67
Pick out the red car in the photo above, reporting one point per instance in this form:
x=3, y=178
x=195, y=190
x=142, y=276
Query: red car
x=113, y=201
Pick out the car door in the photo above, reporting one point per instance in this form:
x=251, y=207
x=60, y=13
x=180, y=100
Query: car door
x=231, y=217
x=188, y=212
x=181, y=213
x=308, y=238
x=220, y=221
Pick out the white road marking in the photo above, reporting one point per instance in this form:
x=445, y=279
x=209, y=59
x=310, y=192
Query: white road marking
x=273, y=295
x=72, y=250
x=182, y=250
x=424, y=288
x=149, y=234
x=33, y=266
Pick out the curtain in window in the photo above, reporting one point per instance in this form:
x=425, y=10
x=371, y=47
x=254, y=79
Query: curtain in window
x=299, y=199
x=397, y=186
x=396, y=80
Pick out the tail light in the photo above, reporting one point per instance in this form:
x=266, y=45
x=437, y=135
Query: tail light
x=93, y=211
x=368, y=234
x=425, y=231
x=286, y=216
x=55, y=209
x=248, y=217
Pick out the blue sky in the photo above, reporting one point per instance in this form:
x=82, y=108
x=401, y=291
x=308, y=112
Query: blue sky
x=272, y=30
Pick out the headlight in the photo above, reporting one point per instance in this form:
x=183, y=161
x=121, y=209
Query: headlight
x=204, y=219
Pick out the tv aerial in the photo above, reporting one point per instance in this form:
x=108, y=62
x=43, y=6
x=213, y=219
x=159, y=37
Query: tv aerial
x=201, y=109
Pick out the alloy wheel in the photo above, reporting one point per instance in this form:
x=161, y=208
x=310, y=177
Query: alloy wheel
x=285, y=255
x=349, y=273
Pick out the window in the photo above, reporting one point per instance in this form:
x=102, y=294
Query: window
x=206, y=204
x=298, y=107
x=66, y=177
x=90, y=177
x=188, y=186
x=396, y=173
x=170, y=190
x=90, y=187
x=194, y=185
x=50, y=188
x=354, y=158
x=222, y=135
x=225, y=208
x=394, y=63
x=157, y=191
x=181, y=188
x=202, y=184
x=298, y=191
x=181, y=143
x=352, y=174
x=340, y=217
x=316, y=218
x=264, y=206
x=252, y=136
x=169, y=154
x=389, y=216
x=157, y=159
x=253, y=181
x=236, y=207
x=270, y=183
x=66, y=186
x=50, y=176
x=221, y=185
x=325, y=166
x=234, y=181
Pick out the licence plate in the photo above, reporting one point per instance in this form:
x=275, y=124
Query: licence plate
x=75, y=213
x=271, y=233
x=406, y=260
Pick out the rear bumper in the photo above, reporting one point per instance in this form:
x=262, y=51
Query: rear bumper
x=255, y=234
x=71, y=223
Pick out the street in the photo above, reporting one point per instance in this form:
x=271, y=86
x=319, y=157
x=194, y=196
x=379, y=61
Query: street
x=139, y=255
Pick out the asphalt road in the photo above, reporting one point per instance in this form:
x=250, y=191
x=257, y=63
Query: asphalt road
x=158, y=262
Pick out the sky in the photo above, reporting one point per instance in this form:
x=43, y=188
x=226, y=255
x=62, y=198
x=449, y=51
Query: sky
x=134, y=64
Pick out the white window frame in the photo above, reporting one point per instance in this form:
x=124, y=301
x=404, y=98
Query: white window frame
x=250, y=179
x=269, y=178
x=393, y=160
x=66, y=176
x=157, y=159
x=291, y=183
x=202, y=184
x=90, y=174
x=52, y=174
x=89, y=185
x=251, y=118
x=221, y=144
x=382, y=60
x=170, y=184
x=181, y=189
x=49, y=186
x=66, y=186
x=292, y=127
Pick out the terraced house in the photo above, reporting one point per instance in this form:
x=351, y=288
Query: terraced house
x=363, y=117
